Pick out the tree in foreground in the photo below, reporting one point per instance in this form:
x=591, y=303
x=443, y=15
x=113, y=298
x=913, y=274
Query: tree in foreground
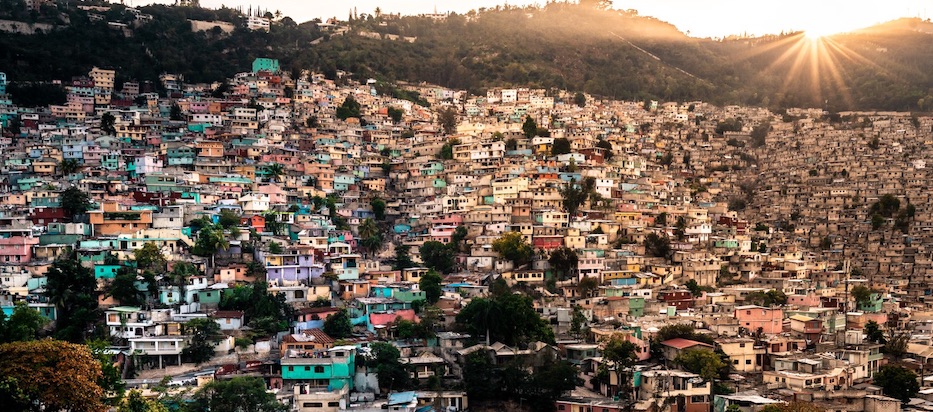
x=509, y=318
x=135, y=402
x=73, y=289
x=23, y=325
x=897, y=382
x=703, y=362
x=241, y=394
x=49, y=375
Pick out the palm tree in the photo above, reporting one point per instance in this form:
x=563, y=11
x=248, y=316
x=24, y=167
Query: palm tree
x=370, y=237
x=179, y=275
x=275, y=170
x=69, y=166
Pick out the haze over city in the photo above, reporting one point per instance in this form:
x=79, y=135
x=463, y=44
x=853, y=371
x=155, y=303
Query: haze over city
x=701, y=18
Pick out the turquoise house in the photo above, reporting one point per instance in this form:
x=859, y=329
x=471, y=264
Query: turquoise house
x=333, y=368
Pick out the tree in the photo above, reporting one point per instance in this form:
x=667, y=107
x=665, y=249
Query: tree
x=74, y=202
x=577, y=321
x=509, y=318
x=657, y=246
x=579, y=99
x=179, y=275
x=275, y=248
x=276, y=171
x=73, y=289
x=861, y=295
x=370, y=236
x=69, y=166
x=402, y=258
x=896, y=344
x=694, y=288
x=623, y=355
x=111, y=379
x=448, y=119
x=390, y=372
x=574, y=195
x=244, y=394
x=379, y=208
x=265, y=312
x=228, y=219
x=512, y=246
x=607, y=149
x=769, y=298
x=52, y=375
x=150, y=257
x=897, y=382
x=23, y=325
x=430, y=283
x=478, y=376
x=873, y=333
x=338, y=325
x=587, y=286
x=123, y=288
x=135, y=402
x=529, y=127
x=437, y=256
x=564, y=260
x=175, y=113
x=560, y=146
x=447, y=150
x=107, y=121
x=661, y=219
x=703, y=362
x=395, y=114
x=205, y=332
x=349, y=108
x=457, y=238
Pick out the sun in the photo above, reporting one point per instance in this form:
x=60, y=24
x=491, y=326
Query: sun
x=816, y=34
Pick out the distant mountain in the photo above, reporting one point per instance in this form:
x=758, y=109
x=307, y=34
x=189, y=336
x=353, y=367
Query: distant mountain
x=607, y=53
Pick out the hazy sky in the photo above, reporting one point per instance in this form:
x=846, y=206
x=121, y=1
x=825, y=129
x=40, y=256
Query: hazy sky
x=709, y=18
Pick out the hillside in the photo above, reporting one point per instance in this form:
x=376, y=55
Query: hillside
x=607, y=53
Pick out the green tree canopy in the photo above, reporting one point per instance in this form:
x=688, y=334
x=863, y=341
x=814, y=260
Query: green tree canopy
x=564, y=261
x=560, y=146
x=338, y=325
x=437, y=256
x=430, y=283
x=349, y=108
x=897, y=382
x=24, y=324
x=241, y=394
x=508, y=318
x=514, y=247
x=74, y=202
x=73, y=289
x=205, y=332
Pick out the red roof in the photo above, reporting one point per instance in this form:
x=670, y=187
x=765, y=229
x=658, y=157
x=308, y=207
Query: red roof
x=681, y=343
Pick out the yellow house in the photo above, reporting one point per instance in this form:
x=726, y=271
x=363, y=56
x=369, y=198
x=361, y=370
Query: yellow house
x=525, y=276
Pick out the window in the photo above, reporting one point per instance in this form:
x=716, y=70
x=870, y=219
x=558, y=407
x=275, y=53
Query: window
x=333, y=403
x=748, y=361
x=291, y=368
x=318, y=369
x=307, y=368
x=312, y=405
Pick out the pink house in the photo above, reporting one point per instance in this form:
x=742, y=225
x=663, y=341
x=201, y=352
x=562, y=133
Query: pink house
x=810, y=300
x=17, y=249
x=276, y=194
x=752, y=317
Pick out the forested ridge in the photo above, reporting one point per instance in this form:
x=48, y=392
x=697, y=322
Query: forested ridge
x=611, y=53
